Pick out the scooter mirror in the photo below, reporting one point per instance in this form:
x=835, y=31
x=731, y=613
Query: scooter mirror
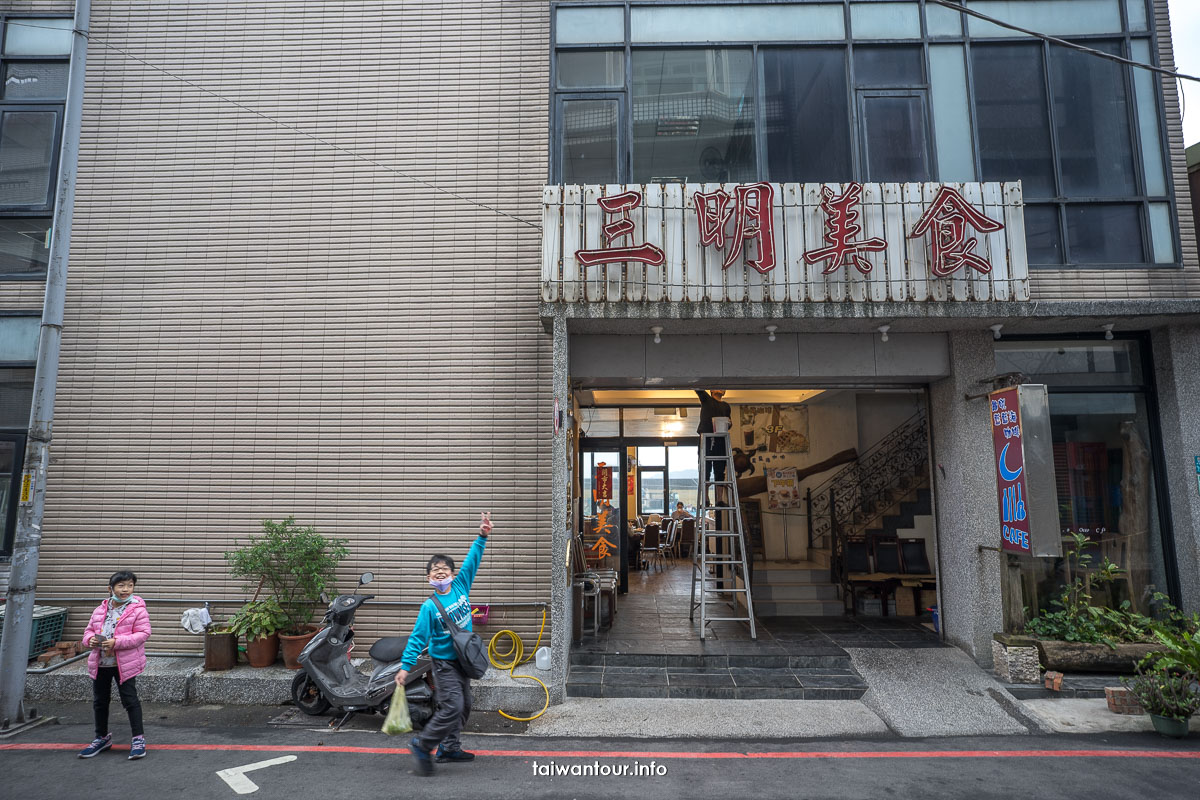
x=366, y=578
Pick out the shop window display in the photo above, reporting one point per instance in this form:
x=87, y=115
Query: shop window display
x=1104, y=474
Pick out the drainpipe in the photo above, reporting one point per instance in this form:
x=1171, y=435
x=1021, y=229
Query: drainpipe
x=18, y=623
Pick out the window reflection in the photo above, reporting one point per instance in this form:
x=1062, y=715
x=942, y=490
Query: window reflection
x=693, y=116
x=807, y=115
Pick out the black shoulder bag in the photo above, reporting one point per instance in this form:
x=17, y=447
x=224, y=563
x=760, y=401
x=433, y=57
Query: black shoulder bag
x=472, y=655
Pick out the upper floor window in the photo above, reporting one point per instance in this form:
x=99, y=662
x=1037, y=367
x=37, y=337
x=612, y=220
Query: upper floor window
x=34, y=61
x=878, y=91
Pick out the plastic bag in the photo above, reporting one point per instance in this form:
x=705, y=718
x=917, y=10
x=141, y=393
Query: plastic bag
x=398, y=721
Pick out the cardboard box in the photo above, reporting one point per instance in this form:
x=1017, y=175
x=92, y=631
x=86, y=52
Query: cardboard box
x=906, y=606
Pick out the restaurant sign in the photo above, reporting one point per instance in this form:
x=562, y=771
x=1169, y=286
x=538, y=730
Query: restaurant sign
x=1024, y=466
x=784, y=242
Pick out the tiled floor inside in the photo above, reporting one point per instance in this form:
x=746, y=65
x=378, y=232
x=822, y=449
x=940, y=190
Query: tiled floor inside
x=653, y=650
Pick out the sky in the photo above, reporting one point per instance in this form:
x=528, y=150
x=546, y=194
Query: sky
x=1185, y=35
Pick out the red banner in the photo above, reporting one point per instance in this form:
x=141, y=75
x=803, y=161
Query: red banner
x=603, y=484
x=1011, y=486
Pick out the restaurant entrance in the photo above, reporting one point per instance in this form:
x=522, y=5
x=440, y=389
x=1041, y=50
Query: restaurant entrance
x=833, y=483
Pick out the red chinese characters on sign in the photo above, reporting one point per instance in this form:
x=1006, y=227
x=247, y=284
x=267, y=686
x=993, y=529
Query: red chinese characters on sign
x=620, y=204
x=603, y=482
x=1011, y=485
x=753, y=213
x=950, y=247
x=841, y=228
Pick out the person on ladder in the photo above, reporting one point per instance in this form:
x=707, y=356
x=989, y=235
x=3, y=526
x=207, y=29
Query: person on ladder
x=712, y=406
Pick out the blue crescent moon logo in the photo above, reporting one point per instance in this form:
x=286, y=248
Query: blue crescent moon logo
x=1007, y=476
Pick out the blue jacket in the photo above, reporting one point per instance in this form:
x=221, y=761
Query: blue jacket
x=430, y=629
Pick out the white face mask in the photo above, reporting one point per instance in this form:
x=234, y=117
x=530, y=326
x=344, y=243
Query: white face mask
x=442, y=584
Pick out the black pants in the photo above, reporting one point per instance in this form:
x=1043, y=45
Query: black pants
x=102, y=694
x=452, y=695
x=715, y=447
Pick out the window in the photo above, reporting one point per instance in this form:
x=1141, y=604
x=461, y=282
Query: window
x=693, y=116
x=807, y=114
x=893, y=90
x=1074, y=147
x=16, y=398
x=1102, y=432
x=34, y=54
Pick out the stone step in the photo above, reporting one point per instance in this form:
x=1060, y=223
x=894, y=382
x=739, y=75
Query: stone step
x=775, y=592
x=790, y=577
x=733, y=683
x=810, y=608
x=818, y=658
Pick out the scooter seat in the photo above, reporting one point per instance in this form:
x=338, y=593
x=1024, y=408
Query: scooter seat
x=389, y=648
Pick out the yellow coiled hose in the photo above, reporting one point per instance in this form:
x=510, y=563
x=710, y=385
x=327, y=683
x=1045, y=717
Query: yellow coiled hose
x=512, y=658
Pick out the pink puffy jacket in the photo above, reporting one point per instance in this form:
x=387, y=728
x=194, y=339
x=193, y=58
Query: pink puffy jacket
x=132, y=631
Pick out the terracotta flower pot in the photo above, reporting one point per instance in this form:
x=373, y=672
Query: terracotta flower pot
x=220, y=651
x=262, y=652
x=293, y=644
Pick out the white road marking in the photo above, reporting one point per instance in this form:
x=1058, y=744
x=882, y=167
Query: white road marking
x=236, y=776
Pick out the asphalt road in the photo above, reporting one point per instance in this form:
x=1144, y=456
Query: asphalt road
x=189, y=746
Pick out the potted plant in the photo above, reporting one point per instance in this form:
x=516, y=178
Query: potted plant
x=1080, y=635
x=259, y=621
x=294, y=564
x=1170, y=699
x=220, y=647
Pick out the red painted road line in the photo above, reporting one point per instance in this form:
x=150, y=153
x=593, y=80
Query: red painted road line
x=660, y=755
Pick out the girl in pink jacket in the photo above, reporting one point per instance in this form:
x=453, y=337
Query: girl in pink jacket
x=117, y=634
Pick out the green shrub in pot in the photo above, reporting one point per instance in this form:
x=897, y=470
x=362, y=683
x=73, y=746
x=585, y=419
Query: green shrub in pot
x=292, y=564
x=258, y=619
x=1165, y=694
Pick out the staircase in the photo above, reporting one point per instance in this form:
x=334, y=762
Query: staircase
x=803, y=590
x=886, y=491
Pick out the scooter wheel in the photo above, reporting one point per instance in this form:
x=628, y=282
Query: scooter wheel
x=307, y=696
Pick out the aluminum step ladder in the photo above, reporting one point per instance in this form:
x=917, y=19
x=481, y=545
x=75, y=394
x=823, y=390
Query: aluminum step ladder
x=719, y=572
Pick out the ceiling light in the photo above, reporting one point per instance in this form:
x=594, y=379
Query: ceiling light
x=883, y=332
x=1108, y=326
x=996, y=331
x=657, y=331
x=771, y=332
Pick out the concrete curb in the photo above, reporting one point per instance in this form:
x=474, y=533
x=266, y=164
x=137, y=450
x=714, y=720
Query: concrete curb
x=183, y=680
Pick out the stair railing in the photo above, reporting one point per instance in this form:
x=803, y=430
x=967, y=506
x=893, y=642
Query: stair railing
x=863, y=485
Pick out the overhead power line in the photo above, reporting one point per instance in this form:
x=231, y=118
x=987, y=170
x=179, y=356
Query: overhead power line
x=1062, y=42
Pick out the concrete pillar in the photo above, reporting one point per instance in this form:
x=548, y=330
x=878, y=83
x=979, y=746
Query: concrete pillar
x=560, y=577
x=965, y=497
x=1176, y=354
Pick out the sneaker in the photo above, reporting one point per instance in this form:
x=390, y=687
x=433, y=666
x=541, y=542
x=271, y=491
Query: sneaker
x=424, y=762
x=97, y=747
x=457, y=754
x=137, y=748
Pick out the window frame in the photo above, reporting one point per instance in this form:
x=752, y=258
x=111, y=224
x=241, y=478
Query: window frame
x=32, y=104
x=861, y=96
x=1125, y=37
x=1148, y=388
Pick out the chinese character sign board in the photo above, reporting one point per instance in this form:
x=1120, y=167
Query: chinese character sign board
x=784, y=242
x=603, y=483
x=1011, y=484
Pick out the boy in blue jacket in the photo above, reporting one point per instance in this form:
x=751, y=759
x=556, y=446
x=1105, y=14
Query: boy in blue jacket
x=452, y=688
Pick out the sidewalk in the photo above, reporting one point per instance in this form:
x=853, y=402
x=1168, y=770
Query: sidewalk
x=183, y=680
x=912, y=693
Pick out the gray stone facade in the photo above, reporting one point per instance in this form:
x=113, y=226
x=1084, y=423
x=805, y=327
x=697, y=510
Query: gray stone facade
x=1177, y=374
x=965, y=498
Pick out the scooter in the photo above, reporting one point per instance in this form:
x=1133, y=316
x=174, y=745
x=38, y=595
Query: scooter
x=328, y=680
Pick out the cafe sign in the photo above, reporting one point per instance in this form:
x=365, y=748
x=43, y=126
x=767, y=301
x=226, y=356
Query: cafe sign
x=789, y=242
x=1023, y=457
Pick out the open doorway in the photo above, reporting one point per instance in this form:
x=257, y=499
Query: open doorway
x=834, y=491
